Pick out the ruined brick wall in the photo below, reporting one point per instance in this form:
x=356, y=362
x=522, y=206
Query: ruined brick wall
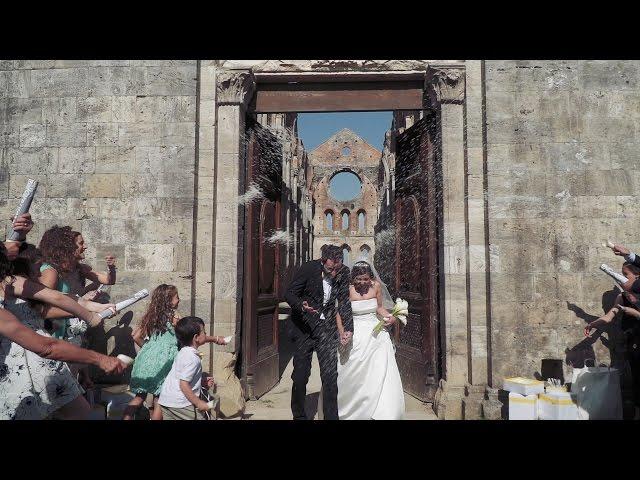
x=562, y=150
x=345, y=151
x=112, y=144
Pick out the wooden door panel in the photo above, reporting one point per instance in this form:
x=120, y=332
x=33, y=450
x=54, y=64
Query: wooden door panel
x=416, y=255
x=262, y=258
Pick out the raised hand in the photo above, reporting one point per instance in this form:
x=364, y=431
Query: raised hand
x=23, y=224
x=620, y=250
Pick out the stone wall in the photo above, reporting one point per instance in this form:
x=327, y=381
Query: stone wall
x=112, y=144
x=562, y=147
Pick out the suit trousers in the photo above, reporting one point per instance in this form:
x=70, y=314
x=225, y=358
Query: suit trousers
x=324, y=342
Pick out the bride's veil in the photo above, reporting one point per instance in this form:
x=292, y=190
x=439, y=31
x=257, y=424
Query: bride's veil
x=387, y=300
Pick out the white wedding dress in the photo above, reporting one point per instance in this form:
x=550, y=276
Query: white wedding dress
x=369, y=384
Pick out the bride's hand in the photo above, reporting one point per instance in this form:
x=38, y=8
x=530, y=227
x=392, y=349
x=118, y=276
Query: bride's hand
x=389, y=321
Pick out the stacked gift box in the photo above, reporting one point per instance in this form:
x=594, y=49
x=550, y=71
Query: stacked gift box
x=530, y=399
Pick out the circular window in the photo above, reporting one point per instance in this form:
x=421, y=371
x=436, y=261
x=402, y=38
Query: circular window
x=346, y=151
x=345, y=186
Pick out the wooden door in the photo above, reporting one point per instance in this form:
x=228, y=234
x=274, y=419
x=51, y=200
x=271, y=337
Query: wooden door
x=262, y=262
x=416, y=257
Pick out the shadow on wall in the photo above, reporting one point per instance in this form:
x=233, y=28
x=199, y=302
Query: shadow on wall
x=98, y=340
x=583, y=351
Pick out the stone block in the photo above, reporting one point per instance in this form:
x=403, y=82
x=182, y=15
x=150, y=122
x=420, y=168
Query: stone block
x=166, y=80
x=35, y=161
x=64, y=186
x=150, y=257
x=59, y=110
x=23, y=110
x=112, y=81
x=123, y=109
x=102, y=134
x=140, y=134
x=102, y=185
x=9, y=135
x=77, y=160
x=94, y=109
x=68, y=135
x=169, y=159
x=18, y=83
x=112, y=159
x=33, y=135
x=64, y=82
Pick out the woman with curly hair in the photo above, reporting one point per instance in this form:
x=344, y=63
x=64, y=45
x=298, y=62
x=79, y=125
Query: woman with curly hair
x=35, y=383
x=156, y=336
x=62, y=253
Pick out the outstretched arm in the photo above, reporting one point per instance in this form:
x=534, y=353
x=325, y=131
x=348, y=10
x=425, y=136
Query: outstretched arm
x=53, y=349
x=21, y=287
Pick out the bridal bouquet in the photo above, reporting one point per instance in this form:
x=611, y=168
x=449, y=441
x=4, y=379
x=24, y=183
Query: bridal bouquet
x=400, y=311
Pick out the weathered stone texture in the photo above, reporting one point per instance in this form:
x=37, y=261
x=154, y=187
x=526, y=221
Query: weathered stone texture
x=561, y=145
x=113, y=145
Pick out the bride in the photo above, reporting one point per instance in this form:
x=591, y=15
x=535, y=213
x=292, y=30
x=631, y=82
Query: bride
x=369, y=385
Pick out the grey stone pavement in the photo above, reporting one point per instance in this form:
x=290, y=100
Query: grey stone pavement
x=275, y=405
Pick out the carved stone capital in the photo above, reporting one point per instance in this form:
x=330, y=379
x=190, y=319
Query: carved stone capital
x=235, y=88
x=445, y=85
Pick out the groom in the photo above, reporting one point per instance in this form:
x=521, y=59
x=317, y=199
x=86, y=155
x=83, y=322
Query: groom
x=318, y=290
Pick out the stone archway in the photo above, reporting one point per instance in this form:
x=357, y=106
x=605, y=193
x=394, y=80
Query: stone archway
x=453, y=89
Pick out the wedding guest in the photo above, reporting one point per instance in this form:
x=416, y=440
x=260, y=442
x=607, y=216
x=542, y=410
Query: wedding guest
x=34, y=380
x=62, y=268
x=632, y=259
x=180, y=394
x=156, y=336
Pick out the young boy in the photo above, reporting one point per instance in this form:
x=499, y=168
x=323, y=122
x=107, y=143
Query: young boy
x=180, y=394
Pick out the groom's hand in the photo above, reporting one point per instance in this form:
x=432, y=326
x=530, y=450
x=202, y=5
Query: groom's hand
x=307, y=308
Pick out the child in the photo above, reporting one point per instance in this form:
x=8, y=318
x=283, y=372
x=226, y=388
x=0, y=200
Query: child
x=156, y=336
x=180, y=395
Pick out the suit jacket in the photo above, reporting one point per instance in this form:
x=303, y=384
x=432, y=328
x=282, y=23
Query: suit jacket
x=307, y=285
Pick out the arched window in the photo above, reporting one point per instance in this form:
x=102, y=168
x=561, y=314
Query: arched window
x=346, y=254
x=362, y=217
x=365, y=251
x=345, y=219
x=328, y=216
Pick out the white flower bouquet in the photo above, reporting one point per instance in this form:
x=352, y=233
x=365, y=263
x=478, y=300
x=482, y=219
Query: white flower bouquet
x=400, y=311
x=77, y=326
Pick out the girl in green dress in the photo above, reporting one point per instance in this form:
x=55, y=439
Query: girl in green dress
x=156, y=336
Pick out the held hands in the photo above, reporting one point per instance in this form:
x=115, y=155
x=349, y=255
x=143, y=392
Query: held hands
x=345, y=337
x=202, y=406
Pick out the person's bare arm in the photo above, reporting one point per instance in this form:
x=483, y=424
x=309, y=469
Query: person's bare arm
x=24, y=288
x=106, y=278
x=49, y=278
x=137, y=336
x=383, y=312
x=218, y=340
x=200, y=404
x=602, y=321
x=53, y=349
x=55, y=312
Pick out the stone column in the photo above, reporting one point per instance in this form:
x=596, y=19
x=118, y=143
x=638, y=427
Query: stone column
x=233, y=90
x=446, y=89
